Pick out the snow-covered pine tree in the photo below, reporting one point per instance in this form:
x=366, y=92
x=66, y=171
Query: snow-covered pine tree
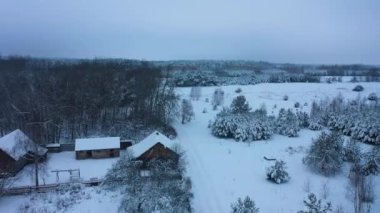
x=240, y=105
x=313, y=205
x=325, y=154
x=287, y=123
x=372, y=97
x=244, y=206
x=358, y=88
x=303, y=119
x=277, y=173
x=351, y=152
x=371, y=162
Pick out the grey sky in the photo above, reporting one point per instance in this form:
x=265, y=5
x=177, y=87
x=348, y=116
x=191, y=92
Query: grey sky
x=296, y=31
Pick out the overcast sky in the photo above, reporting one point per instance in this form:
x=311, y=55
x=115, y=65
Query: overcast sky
x=295, y=31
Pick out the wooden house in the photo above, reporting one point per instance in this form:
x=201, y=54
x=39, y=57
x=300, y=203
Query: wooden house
x=106, y=147
x=18, y=150
x=155, y=146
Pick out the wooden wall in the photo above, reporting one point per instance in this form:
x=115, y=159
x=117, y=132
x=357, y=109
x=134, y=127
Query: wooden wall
x=104, y=153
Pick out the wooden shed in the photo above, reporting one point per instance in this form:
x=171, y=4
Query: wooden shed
x=106, y=147
x=18, y=150
x=155, y=146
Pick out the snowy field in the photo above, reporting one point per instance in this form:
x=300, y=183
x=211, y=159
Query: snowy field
x=223, y=170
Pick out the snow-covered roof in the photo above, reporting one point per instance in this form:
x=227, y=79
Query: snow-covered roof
x=154, y=138
x=83, y=144
x=16, y=144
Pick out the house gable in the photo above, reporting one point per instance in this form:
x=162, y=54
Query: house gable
x=7, y=163
x=158, y=151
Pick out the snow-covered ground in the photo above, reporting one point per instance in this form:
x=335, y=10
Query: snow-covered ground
x=223, y=170
x=89, y=168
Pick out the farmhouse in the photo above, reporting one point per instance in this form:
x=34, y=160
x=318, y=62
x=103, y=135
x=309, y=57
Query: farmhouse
x=107, y=147
x=18, y=150
x=155, y=146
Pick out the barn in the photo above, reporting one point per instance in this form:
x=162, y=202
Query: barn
x=107, y=147
x=18, y=150
x=155, y=146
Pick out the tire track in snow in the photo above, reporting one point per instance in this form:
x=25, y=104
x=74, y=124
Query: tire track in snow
x=200, y=176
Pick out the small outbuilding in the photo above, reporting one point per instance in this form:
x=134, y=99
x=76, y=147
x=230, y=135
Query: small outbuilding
x=107, y=147
x=155, y=146
x=18, y=150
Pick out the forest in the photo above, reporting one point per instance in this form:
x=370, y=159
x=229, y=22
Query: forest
x=60, y=100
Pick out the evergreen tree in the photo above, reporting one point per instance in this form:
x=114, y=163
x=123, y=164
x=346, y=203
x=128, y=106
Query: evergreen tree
x=277, y=173
x=287, y=123
x=313, y=205
x=239, y=105
x=246, y=206
x=351, y=152
x=372, y=162
x=325, y=154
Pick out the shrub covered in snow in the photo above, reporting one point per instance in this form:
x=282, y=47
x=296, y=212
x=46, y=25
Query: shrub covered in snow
x=314, y=205
x=287, y=123
x=372, y=97
x=358, y=88
x=244, y=206
x=325, y=154
x=59, y=201
x=238, y=90
x=239, y=105
x=315, y=126
x=285, y=98
x=242, y=127
x=277, y=173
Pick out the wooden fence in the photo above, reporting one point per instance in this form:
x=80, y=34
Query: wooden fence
x=48, y=187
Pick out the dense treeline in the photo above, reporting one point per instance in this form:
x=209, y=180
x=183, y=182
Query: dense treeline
x=56, y=100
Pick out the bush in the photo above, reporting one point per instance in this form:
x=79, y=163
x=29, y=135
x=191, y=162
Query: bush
x=297, y=105
x=315, y=126
x=246, y=206
x=313, y=205
x=372, y=97
x=277, y=173
x=358, y=88
x=285, y=98
x=238, y=90
x=325, y=154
